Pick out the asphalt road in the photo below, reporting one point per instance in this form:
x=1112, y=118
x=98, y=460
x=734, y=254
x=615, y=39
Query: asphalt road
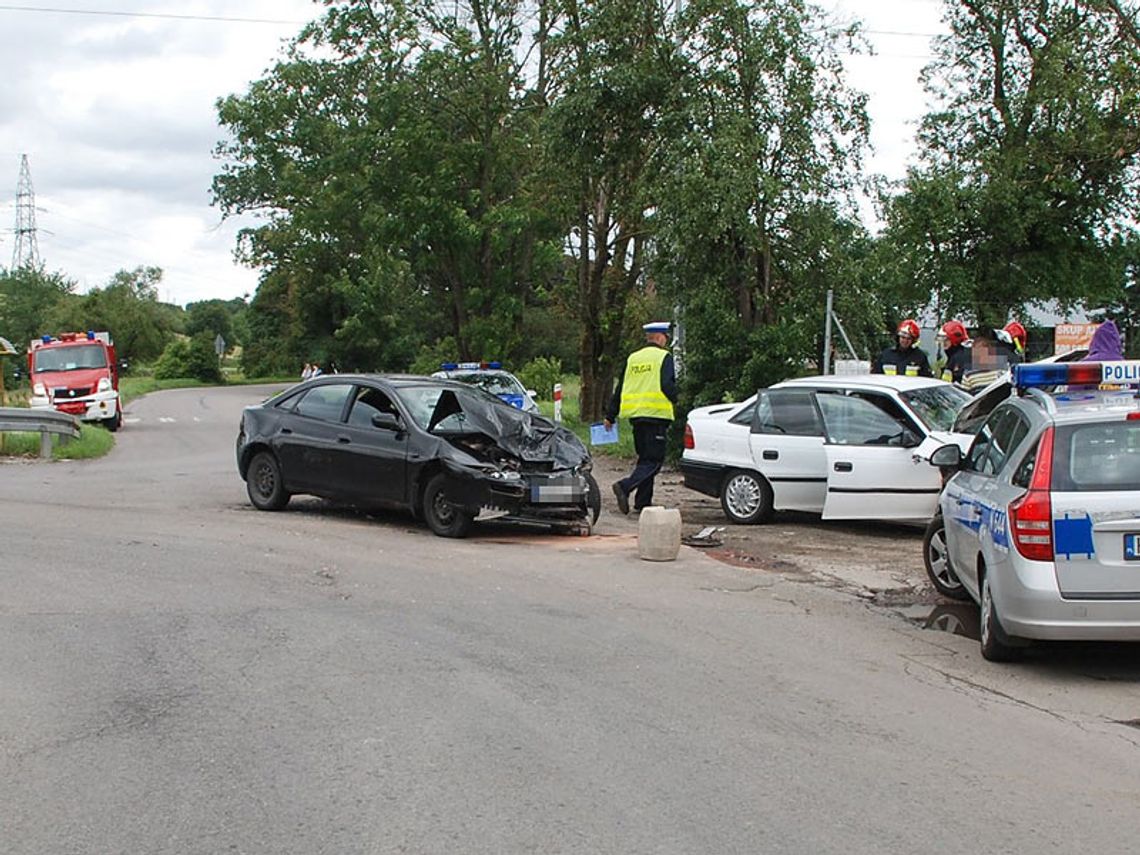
x=182, y=674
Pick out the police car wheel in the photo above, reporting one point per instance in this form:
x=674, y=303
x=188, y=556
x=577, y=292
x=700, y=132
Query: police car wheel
x=264, y=484
x=443, y=518
x=996, y=645
x=937, y=561
x=746, y=497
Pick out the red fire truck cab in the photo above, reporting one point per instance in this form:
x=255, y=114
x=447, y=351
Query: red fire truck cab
x=76, y=373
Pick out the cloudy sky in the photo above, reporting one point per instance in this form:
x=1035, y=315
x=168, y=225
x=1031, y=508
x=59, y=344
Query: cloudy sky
x=113, y=103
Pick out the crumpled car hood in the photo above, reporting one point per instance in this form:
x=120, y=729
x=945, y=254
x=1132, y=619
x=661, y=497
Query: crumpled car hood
x=529, y=437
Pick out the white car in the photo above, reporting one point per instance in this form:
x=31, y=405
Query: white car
x=846, y=447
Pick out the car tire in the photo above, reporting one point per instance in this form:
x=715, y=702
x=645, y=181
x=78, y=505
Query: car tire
x=442, y=517
x=746, y=497
x=996, y=645
x=936, y=559
x=264, y=483
x=115, y=422
x=593, y=499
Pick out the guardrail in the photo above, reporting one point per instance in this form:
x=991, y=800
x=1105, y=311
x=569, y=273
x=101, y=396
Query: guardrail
x=46, y=423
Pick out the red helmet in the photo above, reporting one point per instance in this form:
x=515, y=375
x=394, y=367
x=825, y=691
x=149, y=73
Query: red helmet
x=955, y=332
x=1017, y=333
x=909, y=328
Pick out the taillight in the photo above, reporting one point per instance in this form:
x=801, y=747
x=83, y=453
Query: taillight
x=689, y=441
x=1031, y=516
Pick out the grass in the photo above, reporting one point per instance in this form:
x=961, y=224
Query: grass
x=570, y=391
x=93, y=441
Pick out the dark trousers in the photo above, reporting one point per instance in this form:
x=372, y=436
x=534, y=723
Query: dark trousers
x=649, y=438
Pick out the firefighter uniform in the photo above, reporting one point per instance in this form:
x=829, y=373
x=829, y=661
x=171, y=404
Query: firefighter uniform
x=957, y=363
x=907, y=361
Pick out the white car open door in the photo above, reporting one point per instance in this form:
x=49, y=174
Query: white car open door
x=872, y=472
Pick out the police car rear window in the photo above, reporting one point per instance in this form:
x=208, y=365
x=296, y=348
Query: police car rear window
x=1097, y=457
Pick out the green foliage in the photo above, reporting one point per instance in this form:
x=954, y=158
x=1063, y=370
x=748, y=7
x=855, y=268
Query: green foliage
x=431, y=357
x=194, y=357
x=540, y=375
x=214, y=317
x=1028, y=162
x=128, y=308
x=28, y=298
x=93, y=441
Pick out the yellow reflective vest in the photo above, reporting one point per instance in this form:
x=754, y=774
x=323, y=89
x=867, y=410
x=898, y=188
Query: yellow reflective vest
x=641, y=395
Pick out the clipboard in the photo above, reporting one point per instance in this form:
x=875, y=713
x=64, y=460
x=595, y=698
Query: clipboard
x=600, y=436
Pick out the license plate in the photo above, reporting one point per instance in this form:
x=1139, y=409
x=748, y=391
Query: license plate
x=556, y=491
x=1132, y=547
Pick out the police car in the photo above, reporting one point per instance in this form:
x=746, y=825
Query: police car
x=1042, y=514
x=491, y=377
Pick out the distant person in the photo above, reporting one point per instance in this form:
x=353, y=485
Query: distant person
x=1020, y=339
x=957, y=354
x=645, y=395
x=316, y=372
x=1106, y=345
x=904, y=358
x=307, y=371
x=991, y=355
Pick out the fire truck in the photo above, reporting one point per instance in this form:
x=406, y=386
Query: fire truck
x=76, y=373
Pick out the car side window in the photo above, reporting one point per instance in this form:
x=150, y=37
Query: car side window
x=746, y=415
x=1024, y=470
x=787, y=411
x=324, y=402
x=368, y=402
x=854, y=420
x=1001, y=433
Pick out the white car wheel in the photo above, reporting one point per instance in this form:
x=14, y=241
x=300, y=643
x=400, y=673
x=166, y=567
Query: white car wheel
x=746, y=497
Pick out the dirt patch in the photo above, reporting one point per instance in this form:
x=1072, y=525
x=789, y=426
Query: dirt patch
x=883, y=560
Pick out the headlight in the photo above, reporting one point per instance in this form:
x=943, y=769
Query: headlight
x=104, y=385
x=39, y=391
x=501, y=475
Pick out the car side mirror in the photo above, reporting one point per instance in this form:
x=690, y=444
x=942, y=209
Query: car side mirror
x=910, y=439
x=532, y=393
x=386, y=421
x=946, y=456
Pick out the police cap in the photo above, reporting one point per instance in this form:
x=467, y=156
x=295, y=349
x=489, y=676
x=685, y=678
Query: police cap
x=657, y=327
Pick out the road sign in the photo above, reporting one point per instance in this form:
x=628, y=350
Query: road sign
x=219, y=345
x=6, y=348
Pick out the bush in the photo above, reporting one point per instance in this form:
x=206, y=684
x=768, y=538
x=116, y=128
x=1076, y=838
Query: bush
x=193, y=357
x=540, y=375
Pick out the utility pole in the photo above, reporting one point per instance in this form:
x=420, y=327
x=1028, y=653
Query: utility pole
x=26, y=253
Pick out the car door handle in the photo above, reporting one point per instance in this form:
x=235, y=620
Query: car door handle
x=843, y=466
x=344, y=440
x=286, y=430
x=771, y=455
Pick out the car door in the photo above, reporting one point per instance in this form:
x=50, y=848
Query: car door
x=974, y=506
x=371, y=461
x=307, y=438
x=871, y=469
x=786, y=445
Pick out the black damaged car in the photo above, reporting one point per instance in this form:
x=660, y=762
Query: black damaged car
x=449, y=452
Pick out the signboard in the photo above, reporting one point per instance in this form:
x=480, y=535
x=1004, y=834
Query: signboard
x=1070, y=337
x=6, y=348
x=219, y=345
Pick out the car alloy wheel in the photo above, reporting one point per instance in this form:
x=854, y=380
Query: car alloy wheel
x=995, y=643
x=936, y=559
x=746, y=497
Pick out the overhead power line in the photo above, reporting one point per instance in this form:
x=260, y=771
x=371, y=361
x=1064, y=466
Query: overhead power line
x=162, y=15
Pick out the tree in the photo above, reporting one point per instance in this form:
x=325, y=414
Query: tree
x=28, y=299
x=128, y=308
x=757, y=159
x=212, y=316
x=1028, y=160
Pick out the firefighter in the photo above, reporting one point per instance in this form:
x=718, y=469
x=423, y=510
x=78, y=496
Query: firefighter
x=645, y=395
x=957, y=354
x=1019, y=338
x=904, y=358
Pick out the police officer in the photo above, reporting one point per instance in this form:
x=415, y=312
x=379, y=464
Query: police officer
x=904, y=358
x=957, y=354
x=645, y=395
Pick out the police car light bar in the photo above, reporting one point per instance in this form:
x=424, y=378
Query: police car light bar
x=469, y=366
x=1124, y=373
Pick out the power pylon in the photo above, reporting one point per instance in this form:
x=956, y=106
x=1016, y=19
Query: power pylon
x=26, y=252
